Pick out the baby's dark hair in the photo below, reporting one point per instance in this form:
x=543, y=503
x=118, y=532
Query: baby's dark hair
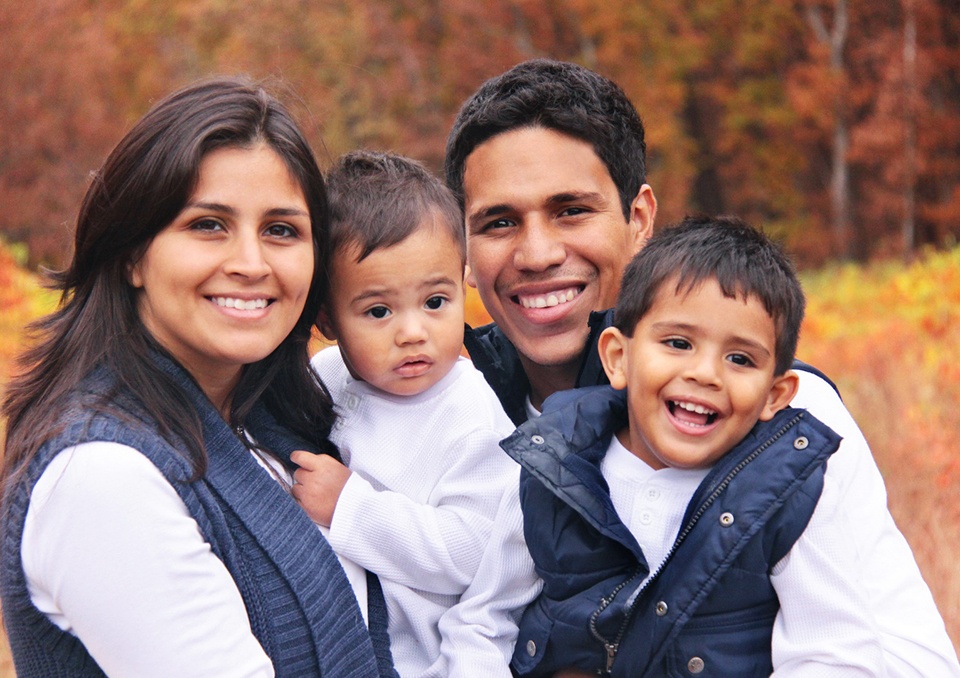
x=742, y=260
x=379, y=199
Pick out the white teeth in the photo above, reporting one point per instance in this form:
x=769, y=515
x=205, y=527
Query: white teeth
x=242, y=304
x=552, y=299
x=691, y=407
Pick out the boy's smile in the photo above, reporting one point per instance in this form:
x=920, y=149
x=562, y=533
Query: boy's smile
x=698, y=373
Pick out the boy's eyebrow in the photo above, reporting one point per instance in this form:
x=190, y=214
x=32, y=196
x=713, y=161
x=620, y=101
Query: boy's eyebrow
x=690, y=329
x=373, y=292
x=439, y=280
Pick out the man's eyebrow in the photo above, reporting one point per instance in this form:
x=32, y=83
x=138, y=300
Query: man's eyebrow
x=488, y=212
x=576, y=196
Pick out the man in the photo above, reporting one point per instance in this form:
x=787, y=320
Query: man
x=547, y=161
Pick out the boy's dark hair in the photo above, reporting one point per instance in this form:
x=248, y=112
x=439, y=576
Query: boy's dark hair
x=739, y=257
x=380, y=199
x=560, y=96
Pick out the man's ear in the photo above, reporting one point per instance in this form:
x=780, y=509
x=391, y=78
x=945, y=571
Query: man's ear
x=781, y=393
x=324, y=325
x=612, y=347
x=643, y=212
x=468, y=277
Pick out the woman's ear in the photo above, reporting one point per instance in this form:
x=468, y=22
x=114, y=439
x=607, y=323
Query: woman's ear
x=324, y=325
x=781, y=393
x=612, y=347
x=134, y=275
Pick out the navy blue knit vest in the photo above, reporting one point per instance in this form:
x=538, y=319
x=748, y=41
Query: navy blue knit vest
x=298, y=599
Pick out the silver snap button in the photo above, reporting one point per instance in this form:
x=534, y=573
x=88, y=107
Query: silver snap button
x=801, y=443
x=695, y=665
x=726, y=519
x=661, y=608
x=536, y=440
x=531, y=648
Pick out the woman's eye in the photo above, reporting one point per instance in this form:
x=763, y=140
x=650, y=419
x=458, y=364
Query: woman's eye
x=281, y=231
x=378, y=312
x=206, y=225
x=679, y=344
x=434, y=303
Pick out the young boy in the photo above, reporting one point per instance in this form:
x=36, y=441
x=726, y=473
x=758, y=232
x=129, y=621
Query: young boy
x=679, y=517
x=418, y=426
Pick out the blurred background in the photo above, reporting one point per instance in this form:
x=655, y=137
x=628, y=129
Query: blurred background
x=833, y=125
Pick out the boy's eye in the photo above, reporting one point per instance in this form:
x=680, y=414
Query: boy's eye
x=740, y=359
x=378, y=312
x=679, y=344
x=434, y=303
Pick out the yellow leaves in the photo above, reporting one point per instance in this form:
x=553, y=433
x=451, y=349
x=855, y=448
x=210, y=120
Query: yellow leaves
x=22, y=300
x=890, y=335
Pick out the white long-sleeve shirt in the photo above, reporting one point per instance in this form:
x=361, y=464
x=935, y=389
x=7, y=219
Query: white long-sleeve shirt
x=112, y=556
x=418, y=510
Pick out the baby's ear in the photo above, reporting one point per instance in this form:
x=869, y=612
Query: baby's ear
x=781, y=393
x=324, y=325
x=612, y=347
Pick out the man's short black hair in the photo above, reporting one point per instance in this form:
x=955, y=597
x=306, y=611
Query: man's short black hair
x=379, y=199
x=743, y=261
x=560, y=96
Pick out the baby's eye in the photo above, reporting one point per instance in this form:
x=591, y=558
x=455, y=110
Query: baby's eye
x=378, y=312
x=679, y=344
x=434, y=303
x=740, y=359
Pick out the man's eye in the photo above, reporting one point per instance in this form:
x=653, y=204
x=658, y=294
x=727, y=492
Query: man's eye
x=573, y=211
x=434, y=303
x=378, y=312
x=679, y=344
x=498, y=224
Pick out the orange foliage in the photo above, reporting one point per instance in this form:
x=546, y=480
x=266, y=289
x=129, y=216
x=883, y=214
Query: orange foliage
x=889, y=336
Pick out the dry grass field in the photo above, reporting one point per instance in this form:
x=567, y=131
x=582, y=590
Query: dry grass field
x=887, y=333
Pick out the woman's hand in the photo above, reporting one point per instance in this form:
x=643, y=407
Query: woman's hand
x=317, y=484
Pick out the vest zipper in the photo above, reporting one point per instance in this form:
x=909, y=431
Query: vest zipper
x=612, y=647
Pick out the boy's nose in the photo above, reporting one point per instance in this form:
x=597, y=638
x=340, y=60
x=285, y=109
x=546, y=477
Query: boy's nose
x=412, y=330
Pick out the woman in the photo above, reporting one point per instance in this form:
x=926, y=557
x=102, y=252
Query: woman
x=148, y=529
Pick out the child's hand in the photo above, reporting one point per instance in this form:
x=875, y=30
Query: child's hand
x=317, y=484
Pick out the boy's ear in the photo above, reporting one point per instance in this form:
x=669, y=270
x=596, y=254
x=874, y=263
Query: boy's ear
x=612, y=347
x=324, y=325
x=781, y=393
